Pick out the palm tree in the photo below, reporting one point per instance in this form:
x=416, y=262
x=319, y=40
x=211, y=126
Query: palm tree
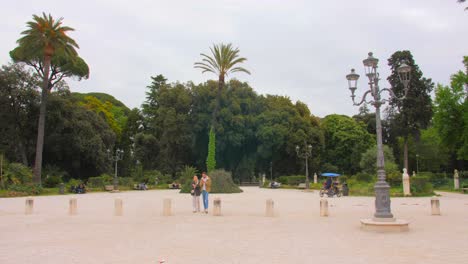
x=222, y=62
x=44, y=38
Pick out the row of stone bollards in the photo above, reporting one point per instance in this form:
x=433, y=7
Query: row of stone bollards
x=167, y=207
x=73, y=206
x=435, y=206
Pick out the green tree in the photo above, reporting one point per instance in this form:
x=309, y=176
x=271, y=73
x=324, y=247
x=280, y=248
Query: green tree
x=76, y=138
x=210, y=160
x=433, y=155
x=408, y=116
x=451, y=113
x=223, y=61
x=345, y=141
x=369, y=165
x=46, y=46
x=19, y=105
x=167, y=110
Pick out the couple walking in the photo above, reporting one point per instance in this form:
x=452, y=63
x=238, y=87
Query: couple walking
x=203, y=187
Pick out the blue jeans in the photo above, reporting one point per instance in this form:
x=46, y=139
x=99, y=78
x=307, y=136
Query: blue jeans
x=205, y=199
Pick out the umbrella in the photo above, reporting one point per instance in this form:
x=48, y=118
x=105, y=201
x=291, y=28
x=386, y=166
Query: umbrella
x=330, y=174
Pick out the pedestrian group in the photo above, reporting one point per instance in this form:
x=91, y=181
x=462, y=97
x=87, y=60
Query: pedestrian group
x=200, y=186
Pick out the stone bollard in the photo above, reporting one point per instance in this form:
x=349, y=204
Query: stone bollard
x=435, y=206
x=456, y=180
x=323, y=207
x=270, y=210
x=217, y=207
x=72, y=210
x=118, y=207
x=167, y=207
x=29, y=206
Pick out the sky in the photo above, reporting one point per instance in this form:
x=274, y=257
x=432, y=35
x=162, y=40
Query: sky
x=299, y=49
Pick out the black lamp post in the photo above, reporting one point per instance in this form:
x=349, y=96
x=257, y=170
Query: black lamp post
x=118, y=156
x=305, y=154
x=381, y=187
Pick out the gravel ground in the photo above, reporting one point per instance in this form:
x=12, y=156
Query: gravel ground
x=297, y=233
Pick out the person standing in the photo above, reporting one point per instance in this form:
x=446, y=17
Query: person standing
x=195, y=192
x=206, y=189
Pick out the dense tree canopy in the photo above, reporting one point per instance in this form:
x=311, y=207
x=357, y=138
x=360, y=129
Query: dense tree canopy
x=407, y=117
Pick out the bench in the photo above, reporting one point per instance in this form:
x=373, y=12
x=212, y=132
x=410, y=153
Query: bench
x=249, y=184
x=301, y=186
x=464, y=190
x=109, y=187
x=173, y=186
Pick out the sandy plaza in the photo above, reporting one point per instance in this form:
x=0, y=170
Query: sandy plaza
x=243, y=234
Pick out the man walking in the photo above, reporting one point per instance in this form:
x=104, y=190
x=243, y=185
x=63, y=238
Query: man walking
x=206, y=188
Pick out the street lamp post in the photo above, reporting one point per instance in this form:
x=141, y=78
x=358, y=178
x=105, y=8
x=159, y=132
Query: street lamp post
x=118, y=156
x=381, y=187
x=417, y=163
x=305, y=154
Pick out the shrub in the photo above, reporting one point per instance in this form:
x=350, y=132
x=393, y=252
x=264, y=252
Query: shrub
x=364, y=177
x=53, y=176
x=52, y=181
x=25, y=189
x=95, y=182
x=126, y=181
x=72, y=182
x=186, y=174
x=17, y=173
x=420, y=185
x=221, y=182
x=293, y=179
x=100, y=181
x=282, y=179
x=394, y=178
x=156, y=177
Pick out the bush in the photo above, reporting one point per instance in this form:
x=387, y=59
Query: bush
x=53, y=176
x=394, y=178
x=156, y=177
x=221, y=182
x=420, y=185
x=95, y=182
x=126, y=181
x=292, y=179
x=26, y=189
x=438, y=179
x=52, y=181
x=364, y=177
x=186, y=174
x=282, y=179
x=100, y=181
x=17, y=174
x=72, y=182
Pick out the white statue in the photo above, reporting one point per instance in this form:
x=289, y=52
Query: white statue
x=406, y=183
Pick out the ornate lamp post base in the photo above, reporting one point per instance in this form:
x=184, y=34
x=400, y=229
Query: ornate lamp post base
x=397, y=225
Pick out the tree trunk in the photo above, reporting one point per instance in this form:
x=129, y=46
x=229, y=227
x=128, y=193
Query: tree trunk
x=41, y=124
x=214, y=117
x=405, y=154
x=22, y=150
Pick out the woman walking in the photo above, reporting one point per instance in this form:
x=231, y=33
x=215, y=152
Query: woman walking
x=195, y=192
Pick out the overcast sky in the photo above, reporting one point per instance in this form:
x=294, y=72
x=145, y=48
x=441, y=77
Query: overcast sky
x=301, y=49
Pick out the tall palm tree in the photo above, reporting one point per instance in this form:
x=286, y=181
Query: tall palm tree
x=44, y=38
x=223, y=61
